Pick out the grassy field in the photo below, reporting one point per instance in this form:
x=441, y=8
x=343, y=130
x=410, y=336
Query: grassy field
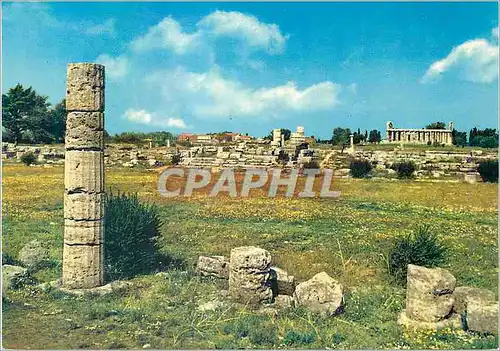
x=348, y=237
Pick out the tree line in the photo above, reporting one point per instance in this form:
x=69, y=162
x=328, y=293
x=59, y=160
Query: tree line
x=28, y=117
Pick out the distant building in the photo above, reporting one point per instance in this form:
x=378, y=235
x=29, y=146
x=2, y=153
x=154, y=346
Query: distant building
x=187, y=137
x=419, y=136
x=204, y=138
x=298, y=137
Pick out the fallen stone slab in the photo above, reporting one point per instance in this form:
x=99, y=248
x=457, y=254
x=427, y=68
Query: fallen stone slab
x=321, y=293
x=454, y=321
x=215, y=266
x=465, y=295
x=429, y=293
x=33, y=255
x=482, y=318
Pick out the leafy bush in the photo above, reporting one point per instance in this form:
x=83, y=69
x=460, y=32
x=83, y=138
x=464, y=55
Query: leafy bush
x=28, y=158
x=294, y=338
x=131, y=231
x=405, y=169
x=420, y=248
x=489, y=171
x=360, y=168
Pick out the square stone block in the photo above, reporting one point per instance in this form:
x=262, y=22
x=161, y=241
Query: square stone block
x=82, y=266
x=84, y=171
x=84, y=206
x=83, y=232
x=85, y=87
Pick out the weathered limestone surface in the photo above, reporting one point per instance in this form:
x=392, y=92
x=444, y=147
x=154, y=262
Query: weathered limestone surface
x=429, y=293
x=85, y=87
x=84, y=175
x=83, y=232
x=84, y=206
x=454, y=321
x=216, y=266
x=321, y=293
x=482, y=318
x=465, y=295
x=84, y=171
x=249, y=275
x=82, y=266
x=85, y=130
x=33, y=254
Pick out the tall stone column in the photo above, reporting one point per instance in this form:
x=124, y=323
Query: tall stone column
x=84, y=177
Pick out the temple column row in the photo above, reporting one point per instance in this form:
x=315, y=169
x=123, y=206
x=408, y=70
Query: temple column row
x=418, y=136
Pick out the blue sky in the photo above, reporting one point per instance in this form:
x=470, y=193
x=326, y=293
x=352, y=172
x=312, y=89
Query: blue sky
x=252, y=67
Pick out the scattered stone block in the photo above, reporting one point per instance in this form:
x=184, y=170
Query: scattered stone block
x=429, y=293
x=454, y=321
x=482, y=318
x=283, y=302
x=33, y=255
x=321, y=293
x=464, y=295
x=249, y=274
x=215, y=266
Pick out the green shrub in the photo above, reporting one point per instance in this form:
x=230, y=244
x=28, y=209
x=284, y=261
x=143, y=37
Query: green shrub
x=294, y=338
x=489, y=171
x=131, y=231
x=405, y=169
x=28, y=158
x=360, y=168
x=420, y=248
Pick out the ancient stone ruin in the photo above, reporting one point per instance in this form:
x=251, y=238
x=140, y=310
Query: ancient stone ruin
x=84, y=177
x=433, y=302
x=419, y=136
x=253, y=281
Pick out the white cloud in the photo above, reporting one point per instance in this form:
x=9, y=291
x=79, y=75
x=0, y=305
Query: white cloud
x=107, y=27
x=116, y=68
x=176, y=123
x=144, y=117
x=494, y=32
x=474, y=61
x=138, y=116
x=247, y=28
x=209, y=95
x=169, y=34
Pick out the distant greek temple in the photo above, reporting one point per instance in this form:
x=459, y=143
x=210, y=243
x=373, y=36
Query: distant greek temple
x=419, y=136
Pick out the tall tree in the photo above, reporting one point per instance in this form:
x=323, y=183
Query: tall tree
x=24, y=113
x=341, y=136
x=459, y=138
x=57, y=123
x=374, y=136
